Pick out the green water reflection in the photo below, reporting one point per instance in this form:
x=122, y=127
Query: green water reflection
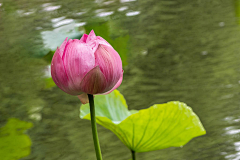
x=174, y=50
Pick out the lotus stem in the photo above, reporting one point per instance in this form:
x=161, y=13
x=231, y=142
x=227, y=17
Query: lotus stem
x=94, y=128
x=133, y=155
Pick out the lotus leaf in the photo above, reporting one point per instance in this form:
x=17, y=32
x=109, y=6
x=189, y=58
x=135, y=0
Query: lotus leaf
x=160, y=126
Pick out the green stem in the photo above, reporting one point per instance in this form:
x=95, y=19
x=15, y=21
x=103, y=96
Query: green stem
x=133, y=155
x=94, y=128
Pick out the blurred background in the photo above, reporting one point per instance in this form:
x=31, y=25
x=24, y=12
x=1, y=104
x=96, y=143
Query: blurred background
x=185, y=50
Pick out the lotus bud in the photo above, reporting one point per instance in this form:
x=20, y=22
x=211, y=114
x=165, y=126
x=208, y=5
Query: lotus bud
x=86, y=66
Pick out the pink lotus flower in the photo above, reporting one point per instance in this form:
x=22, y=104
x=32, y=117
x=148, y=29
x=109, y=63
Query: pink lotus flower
x=86, y=66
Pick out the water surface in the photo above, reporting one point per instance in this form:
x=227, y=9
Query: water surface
x=172, y=50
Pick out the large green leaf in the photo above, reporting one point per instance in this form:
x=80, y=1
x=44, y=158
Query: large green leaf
x=14, y=144
x=172, y=124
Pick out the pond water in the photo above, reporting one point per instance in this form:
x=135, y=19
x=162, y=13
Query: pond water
x=171, y=49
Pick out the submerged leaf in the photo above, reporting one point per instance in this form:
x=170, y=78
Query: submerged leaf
x=172, y=124
x=14, y=144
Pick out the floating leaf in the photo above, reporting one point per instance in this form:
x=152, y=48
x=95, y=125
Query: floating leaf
x=53, y=39
x=172, y=124
x=14, y=144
